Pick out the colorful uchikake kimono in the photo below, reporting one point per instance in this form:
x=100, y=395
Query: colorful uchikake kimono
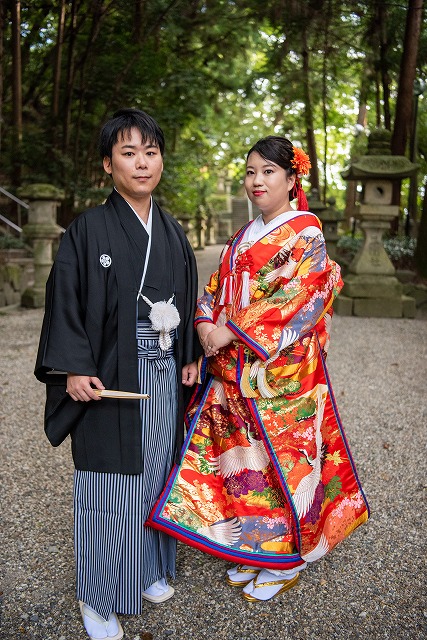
x=266, y=476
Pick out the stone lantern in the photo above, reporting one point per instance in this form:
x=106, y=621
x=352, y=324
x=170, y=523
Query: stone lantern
x=40, y=232
x=200, y=224
x=330, y=218
x=371, y=287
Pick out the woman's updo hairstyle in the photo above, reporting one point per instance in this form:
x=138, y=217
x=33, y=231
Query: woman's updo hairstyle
x=275, y=149
x=293, y=160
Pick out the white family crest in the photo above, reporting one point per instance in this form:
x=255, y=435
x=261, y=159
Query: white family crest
x=105, y=260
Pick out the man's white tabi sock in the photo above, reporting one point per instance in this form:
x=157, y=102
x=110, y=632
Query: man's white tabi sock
x=98, y=627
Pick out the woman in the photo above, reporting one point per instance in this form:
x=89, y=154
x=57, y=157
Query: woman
x=266, y=477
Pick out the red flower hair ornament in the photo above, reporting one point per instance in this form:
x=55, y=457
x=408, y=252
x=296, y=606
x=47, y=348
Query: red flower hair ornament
x=301, y=163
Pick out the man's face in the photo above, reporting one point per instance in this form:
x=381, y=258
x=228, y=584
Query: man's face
x=135, y=167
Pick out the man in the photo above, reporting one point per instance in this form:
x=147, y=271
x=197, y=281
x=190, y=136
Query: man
x=121, y=269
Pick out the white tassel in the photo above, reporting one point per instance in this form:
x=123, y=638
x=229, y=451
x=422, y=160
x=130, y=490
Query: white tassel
x=222, y=318
x=224, y=289
x=255, y=368
x=230, y=290
x=164, y=318
x=244, y=299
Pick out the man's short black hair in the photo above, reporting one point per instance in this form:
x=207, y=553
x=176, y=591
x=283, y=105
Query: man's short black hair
x=122, y=122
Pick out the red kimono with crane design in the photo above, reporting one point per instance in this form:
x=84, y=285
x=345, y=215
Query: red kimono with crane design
x=266, y=476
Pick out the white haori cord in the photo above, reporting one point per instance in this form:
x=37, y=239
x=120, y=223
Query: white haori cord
x=164, y=318
x=164, y=315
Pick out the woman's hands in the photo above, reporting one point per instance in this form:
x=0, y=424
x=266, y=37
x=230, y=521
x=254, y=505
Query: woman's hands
x=80, y=387
x=217, y=339
x=203, y=331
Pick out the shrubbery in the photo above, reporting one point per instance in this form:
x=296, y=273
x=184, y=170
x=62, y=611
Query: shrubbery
x=9, y=242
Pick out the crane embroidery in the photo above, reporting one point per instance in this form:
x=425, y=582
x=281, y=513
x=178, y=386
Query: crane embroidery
x=303, y=497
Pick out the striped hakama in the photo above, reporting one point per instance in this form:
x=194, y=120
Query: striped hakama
x=117, y=558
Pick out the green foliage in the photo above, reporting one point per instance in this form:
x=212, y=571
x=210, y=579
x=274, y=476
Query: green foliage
x=9, y=242
x=271, y=495
x=218, y=203
x=401, y=250
x=202, y=446
x=205, y=467
x=217, y=75
x=348, y=246
x=306, y=408
x=333, y=488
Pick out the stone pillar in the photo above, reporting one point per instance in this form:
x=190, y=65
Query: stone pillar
x=220, y=204
x=200, y=227
x=187, y=224
x=211, y=226
x=330, y=217
x=40, y=233
x=371, y=282
x=240, y=212
x=371, y=288
x=223, y=227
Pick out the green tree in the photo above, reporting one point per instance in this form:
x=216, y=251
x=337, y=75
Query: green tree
x=217, y=74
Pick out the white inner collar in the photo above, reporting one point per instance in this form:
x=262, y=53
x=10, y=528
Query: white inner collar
x=258, y=229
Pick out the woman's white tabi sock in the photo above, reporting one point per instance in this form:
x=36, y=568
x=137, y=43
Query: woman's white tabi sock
x=270, y=590
x=235, y=570
x=287, y=573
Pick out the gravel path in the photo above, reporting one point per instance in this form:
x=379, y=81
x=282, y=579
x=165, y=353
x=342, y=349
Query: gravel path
x=371, y=586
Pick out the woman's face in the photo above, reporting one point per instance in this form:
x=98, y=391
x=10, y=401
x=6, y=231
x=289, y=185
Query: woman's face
x=268, y=185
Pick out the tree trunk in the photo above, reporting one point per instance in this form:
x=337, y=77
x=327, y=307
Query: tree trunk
x=385, y=80
x=122, y=77
x=326, y=52
x=98, y=14
x=16, y=91
x=68, y=101
x=309, y=120
x=421, y=250
x=351, y=189
x=408, y=67
x=58, y=61
x=138, y=18
x=405, y=98
x=2, y=23
x=377, y=101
